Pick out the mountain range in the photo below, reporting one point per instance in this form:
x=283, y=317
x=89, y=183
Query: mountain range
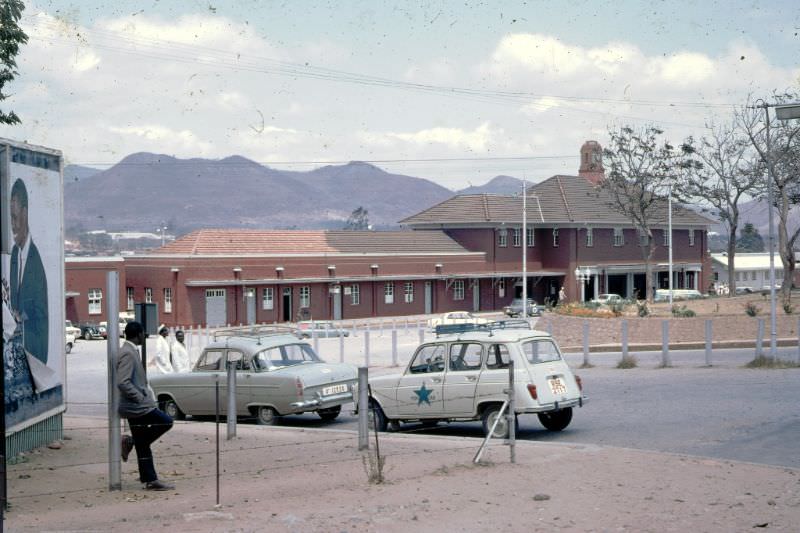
x=145, y=191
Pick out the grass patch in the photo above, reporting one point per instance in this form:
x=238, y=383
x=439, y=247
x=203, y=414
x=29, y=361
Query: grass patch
x=762, y=361
x=627, y=361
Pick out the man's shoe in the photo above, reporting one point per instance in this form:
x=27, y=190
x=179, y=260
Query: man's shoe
x=158, y=485
x=127, y=446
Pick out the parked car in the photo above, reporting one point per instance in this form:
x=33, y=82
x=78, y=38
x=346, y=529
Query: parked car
x=319, y=328
x=70, y=342
x=662, y=295
x=277, y=375
x=609, y=299
x=90, y=331
x=455, y=317
x=744, y=290
x=124, y=318
x=514, y=309
x=463, y=376
x=71, y=330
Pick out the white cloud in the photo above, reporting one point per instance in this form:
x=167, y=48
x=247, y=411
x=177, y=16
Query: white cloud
x=162, y=139
x=477, y=140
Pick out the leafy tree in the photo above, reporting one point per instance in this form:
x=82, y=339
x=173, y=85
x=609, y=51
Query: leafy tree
x=641, y=167
x=749, y=240
x=11, y=37
x=725, y=172
x=358, y=220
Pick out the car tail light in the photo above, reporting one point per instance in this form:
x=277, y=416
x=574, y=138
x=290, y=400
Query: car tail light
x=532, y=391
x=298, y=384
x=579, y=382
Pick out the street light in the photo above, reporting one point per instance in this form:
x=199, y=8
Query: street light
x=162, y=230
x=582, y=276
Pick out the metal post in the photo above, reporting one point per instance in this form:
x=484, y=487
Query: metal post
x=112, y=355
x=798, y=341
x=524, y=244
x=394, y=347
x=216, y=416
x=760, y=338
x=512, y=415
x=421, y=335
x=341, y=348
x=363, y=409
x=231, y=418
x=624, y=338
x=585, y=343
x=315, y=338
x=773, y=334
x=669, y=241
x=665, y=359
x=708, y=341
x=549, y=326
x=366, y=348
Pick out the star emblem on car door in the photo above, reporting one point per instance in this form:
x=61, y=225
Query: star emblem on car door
x=423, y=395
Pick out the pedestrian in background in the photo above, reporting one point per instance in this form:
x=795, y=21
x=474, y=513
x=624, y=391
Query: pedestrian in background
x=161, y=362
x=180, y=356
x=138, y=405
x=562, y=296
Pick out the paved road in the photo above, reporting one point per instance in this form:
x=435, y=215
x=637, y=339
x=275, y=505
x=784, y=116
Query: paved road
x=723, y=411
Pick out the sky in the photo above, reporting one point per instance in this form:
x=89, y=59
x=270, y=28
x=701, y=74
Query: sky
x=455, y=92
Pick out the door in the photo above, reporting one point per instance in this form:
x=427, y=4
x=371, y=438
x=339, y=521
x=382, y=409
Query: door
x=476, y=295
x=250, y=305
x=337, y=303
x=287, y=304
x=428, y=298
x=461, y=378
x=216, y=313
x=419, y=393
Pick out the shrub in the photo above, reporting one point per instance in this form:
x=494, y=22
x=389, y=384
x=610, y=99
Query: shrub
x=641, y=308
x=618, y=308
x=627, y=361
x=682, y=311
x=751, y=309
x=763, y=361
x=788, y=308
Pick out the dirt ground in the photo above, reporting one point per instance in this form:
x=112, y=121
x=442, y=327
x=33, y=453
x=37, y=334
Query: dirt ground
x=279, y=479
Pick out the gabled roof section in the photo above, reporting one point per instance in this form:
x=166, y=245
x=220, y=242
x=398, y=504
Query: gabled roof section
x=556, y=200
x=247, y=241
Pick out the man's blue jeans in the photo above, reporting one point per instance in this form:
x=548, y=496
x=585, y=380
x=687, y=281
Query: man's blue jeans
x=146, y=429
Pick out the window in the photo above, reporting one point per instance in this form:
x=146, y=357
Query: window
x=753, y=275
x=516, y=237
x=215, y=293
x=619, y=238
x=497, y=356
x=409, y=290
x=458, y=289
x=691, y=237
x=167, y=299
x=388, y=292
x=666, y=238
x=501, y=288
x=736, y=276
x=305, y=296
x=541, y=351
x=267, y=298
x=502, y=238
x=555, y=237
x=210, y=360
x=95, y=301
x=530, y=237
x=465, y=356
x=148, y=295
x=355, y=295
x=643, y=238
x=589, y=237
x=129, y=295
x=428, y=359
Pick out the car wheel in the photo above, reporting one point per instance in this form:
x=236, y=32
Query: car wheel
x=556, y=420
x=86, y=336
x=330, y=413
x=266, y=416
x=489, y=416
x=376, y=419
x=68, y=347
x=171, y=408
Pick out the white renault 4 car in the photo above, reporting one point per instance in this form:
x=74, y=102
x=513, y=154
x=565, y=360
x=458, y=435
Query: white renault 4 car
x=463, y=375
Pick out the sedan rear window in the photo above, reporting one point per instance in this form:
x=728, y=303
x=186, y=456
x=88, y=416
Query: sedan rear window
x=541, y=351
x=288, y=355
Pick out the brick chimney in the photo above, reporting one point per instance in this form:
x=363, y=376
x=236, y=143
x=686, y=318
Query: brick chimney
x=592, y=162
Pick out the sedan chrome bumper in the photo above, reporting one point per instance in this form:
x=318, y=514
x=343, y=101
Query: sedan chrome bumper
x=335, y=399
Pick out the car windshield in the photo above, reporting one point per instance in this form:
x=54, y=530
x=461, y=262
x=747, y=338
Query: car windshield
x=286, y=355
x=540, y=351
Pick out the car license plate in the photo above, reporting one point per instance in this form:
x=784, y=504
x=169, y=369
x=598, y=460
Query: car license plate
x=557, y=386
x=334, y=389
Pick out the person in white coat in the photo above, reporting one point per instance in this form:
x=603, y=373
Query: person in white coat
x=180, y=356
x=161, y=361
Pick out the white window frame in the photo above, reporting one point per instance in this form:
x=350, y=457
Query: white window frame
x=355, y=294
x=388, y=292
x=95, y=301
x=589, y=237
x=619, y=237
x=129, y=298
x=458, y=289
x=268, y=298
x=555, y=238
x=148, y=295
x=691, y=237
x=530, y=238
x=409, y=292
x=666, y=238
x=502, y=238
x=167, y=299
x=305, y=296
x=501, y=288
x=213, y=293
x=516, y=237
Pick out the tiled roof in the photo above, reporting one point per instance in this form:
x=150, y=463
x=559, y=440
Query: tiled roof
x=245, y=241
x=557, y=200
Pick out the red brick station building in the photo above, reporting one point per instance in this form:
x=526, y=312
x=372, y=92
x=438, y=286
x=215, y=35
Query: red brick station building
x=462, y=254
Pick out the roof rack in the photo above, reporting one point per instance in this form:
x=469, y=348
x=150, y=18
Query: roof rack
x=254, y=332
x=448, y=329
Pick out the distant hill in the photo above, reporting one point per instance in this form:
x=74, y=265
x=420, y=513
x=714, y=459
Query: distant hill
x=497, y=185
x=145, y=190
x=77, y=173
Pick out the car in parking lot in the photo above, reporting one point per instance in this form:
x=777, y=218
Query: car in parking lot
x=455, y=317
x=91, y=332
x=609, y=299
x=71, y=330
x=662, y=295
x=69, y=342
x=463, y=375
x=515, y=308
x=277, y=374
x=319, y=328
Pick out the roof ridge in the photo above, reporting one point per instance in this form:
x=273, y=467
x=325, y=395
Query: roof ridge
x=564, y=197
x=486, y=215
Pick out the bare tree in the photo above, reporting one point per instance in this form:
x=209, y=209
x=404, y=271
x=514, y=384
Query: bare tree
x=727, y=171
x=641, y=166
x=358, y=220
x=782, y=162
x=11, y=37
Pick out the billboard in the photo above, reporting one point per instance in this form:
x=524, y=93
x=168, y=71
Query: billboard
x=32, y=260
